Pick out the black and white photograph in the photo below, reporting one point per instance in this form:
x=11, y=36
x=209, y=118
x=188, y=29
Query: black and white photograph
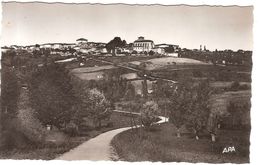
x=126, y=82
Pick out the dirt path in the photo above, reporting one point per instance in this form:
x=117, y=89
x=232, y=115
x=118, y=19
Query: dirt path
x=98, y=148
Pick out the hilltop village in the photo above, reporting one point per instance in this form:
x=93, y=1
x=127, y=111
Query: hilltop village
x=140, y=97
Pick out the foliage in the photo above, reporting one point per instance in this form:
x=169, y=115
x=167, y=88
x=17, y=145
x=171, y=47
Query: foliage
x=130, y=92
x=169, y=49
x=237, y=110
x=198, y=114
x=151, y=53
x=188, y=102
x=163, y=89
x=227, y=57
x=93, y=104
x=115, y=43
x=8, y=58
x=51, y=95
x=99, y=106
x=29, y=125
x=114, y=87
x=236, y=86
x=10, y=90
x=180, y=103
x=149, y=113
x=212, y=124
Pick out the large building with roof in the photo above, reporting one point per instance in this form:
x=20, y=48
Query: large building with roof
x=143, y=45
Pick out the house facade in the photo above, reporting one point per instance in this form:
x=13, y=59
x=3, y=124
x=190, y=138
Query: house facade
x=143, y=45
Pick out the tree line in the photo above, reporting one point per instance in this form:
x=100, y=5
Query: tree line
x=226, y=57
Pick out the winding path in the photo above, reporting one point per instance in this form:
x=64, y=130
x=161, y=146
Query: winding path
x=97, y=148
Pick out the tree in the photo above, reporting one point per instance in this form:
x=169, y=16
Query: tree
x=151, y=53
x=179, y=104
x=10, y=90
x=99, y=108
x=163, y=89
x=149, y=113
x=198, y=114
x=130, y=91
x=113, y=86
x=115, y=43
x=212, y=125
x=169, y=49
x=237, y=110
x=51, y=95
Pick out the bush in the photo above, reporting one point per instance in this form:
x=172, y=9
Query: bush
x=197, y=73
x=235, y=86
x=134, y=52
x=151, y=53
x=71, y=129
x=149, y=113
x=237, y=118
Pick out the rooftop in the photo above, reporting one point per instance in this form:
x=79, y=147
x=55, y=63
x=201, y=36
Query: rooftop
x=143, y=41
x=81, y=39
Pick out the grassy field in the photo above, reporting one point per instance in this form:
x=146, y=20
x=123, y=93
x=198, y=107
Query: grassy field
x=161, y=144
x=51, y=151
x=219, y=102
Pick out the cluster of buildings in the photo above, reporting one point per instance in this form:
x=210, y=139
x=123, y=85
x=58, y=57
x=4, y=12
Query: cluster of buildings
x=139, y=46
x=144, y=45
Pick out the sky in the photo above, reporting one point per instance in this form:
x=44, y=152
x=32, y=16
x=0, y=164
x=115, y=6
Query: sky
x=187, y=26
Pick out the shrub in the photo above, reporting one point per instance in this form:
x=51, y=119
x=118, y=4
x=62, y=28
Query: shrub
x=235, y=86
x=71, y=129
x=237, y=115
x=197, y=73
x=149, y=113
x=151, y=52
x=134, y=52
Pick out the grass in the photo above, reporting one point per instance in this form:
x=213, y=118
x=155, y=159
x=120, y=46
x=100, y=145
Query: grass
x=219, y=102
x=161, y=144
x=218, y=73
x=51, y=151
